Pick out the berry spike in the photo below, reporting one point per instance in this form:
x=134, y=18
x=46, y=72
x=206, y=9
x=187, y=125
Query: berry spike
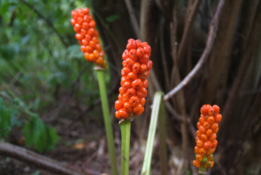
x=206, y=142
x=87, y=36
x=134, y=83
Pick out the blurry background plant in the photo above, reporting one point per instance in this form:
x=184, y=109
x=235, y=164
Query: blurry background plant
x=42, y=66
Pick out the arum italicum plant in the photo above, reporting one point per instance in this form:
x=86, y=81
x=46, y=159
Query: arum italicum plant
x=87, y=36
x=206, y=142
x=132, y=93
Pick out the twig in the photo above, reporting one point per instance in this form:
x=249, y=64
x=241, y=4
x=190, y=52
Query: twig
x=173, y=33
x=163, y=56
x=35, y=159
x=47, y=117
x=107, y=28
x=191, y=13
x=209, y=45
x=181, y=100
x=133, y=18
x=46, y=20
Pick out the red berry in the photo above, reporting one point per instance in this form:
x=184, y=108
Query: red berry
x=131, y=76
x=78, y=36
x=73, y=22
x=149, y=64
x=131, y=44
x=213, y=137
x=202, y=129
x=118, y=105
x=203, y=110
x=137, y=83
x=218, y=118
x=209, y=132
x=143, y=68
x=145, y=83
x=139, y=52
x=142, y=101
x=123, y=113
x=92, y=24
x=134, y=100
x=196, y=163
x=216, y=109
x=131, y=92
x=136, y=68
x=211, y=119
x=207, y=145
x=86, y=11
x=126, y=85
x=127, y=106
x=206, y=125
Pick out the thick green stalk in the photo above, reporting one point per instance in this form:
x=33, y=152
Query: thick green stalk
x=162, y=132
x=202, y=171
x=152, y=130
x=107, y=121
x=125, y=146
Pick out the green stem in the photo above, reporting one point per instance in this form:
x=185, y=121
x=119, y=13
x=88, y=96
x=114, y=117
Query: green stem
x=152, y=130
x=107, y=122
x=125, y=146
x=202, y=171
x=162, y=132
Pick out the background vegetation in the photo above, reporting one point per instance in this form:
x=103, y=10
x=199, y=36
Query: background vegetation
x=49, y=98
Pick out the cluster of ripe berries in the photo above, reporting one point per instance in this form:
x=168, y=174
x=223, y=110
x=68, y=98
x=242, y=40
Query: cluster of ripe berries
x=206, y=142
x=135, y=71
x=87, y=35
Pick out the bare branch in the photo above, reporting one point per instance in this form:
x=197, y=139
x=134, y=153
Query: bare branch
x=191, y=13
x=163, y=56
x=133, y=18
x=209, y=45
x=36, y=159
x=46, y=20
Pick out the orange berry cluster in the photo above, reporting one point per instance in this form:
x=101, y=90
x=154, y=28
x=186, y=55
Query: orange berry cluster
x=87, y=35
x=135, y=71
x=206, y=142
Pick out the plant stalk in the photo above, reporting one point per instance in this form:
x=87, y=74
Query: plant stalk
x=162, y=132
x=151, y=134
x=125, y=146
x=107, y=121
x=202, y=171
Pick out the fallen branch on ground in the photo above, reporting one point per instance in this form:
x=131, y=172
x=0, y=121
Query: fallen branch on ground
x=32, y=158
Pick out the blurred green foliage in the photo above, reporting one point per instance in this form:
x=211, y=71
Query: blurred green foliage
x=40, y=61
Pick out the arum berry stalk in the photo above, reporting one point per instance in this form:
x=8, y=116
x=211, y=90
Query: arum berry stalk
x=107, y=121
x=87, y=36
x=125, y=146
x=162, y=133
x=202, y=171
x=132, y=93
x=206, y=142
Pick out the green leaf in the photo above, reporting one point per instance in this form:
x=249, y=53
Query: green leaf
x=74, y=51
x=37, y=172
x=57, y=78
x=112, y=18
x=188, y=172
x=5, y=119
x=7, y=52
x=52, y=138
x=4, y=7
x=39, y=135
